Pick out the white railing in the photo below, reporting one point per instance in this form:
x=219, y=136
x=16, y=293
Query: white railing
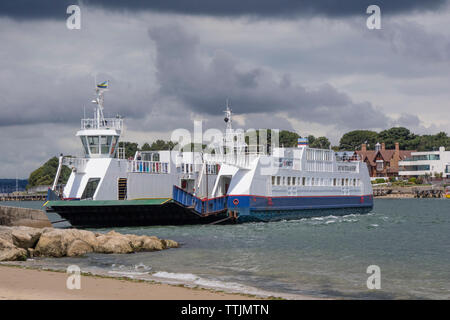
x=79, y=164
x=107, y=123
x=243, y=161
x=155, y=167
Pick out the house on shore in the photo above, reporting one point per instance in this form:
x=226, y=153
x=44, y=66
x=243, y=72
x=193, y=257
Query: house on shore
x=382, y=162
x=426, y=163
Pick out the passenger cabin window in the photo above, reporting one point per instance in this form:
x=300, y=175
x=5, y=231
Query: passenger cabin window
x=304, y=181
x=273, y=180
x=278, y=180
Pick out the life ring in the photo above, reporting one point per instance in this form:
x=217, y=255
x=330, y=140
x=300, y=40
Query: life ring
x=236, y=202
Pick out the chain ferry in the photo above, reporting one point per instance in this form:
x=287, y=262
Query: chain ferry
x=237, y=182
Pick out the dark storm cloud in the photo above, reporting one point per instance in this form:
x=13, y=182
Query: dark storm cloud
x=260, y=8
x=184, y=74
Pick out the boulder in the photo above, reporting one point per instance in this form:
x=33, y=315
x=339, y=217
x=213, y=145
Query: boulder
x=30, y=252
x=109, y=243
x=83, y=235
x=167, y=243
x=135, y=241
x=6, y=233
x=78, y=248
x=9, y=252
x=151, y=244
x=54, y=243
x=25, y=237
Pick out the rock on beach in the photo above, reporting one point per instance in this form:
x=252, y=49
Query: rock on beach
x=19, y=243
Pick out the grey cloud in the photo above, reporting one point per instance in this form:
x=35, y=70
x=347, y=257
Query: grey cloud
x=411, y=39
x=408, y=120
x=259, y=8
x=202, y=86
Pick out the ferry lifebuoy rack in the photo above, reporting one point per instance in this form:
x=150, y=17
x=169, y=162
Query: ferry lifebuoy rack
x=236, y=202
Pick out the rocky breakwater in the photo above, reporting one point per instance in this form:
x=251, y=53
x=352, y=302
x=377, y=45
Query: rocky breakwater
x=20, y=243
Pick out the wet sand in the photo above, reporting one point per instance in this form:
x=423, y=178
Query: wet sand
x=29, y=284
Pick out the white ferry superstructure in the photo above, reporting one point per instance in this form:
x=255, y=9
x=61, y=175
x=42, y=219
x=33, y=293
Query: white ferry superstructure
x=236, y=183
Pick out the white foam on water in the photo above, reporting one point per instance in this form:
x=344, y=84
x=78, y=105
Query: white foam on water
x=175, y=276
x=127, y=273
x=191, y=280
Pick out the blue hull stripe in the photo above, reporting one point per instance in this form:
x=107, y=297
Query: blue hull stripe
x=275, y=208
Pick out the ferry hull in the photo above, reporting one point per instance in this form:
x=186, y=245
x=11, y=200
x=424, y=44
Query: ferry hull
x=116, y=215
x=257, y=208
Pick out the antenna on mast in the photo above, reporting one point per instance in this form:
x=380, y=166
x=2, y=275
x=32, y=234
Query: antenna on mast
x=100, y=89
x=228, y=114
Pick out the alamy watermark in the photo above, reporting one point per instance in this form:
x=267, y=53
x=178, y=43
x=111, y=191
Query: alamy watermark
x=74, y=279
x=73, y=22
x=374, y=20
x=374, y=280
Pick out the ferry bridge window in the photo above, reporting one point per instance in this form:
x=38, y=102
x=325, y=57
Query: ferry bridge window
x=85, y=145
x=105, y=144
x=93, y=144
x=113, y=144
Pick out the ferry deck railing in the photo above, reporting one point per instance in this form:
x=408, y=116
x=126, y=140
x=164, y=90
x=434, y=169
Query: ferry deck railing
x=79, y=164
x=156, y=167
x=107, y=123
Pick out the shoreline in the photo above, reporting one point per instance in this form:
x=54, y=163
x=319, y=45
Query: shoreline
x=18, y=282
x=23, y=283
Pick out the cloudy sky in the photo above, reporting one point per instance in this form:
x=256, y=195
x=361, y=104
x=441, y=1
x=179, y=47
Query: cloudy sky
x=305, y=65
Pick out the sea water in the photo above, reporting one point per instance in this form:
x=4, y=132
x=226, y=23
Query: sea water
x=408, y=239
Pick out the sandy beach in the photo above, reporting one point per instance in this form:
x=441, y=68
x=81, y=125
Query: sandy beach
x=29, y=284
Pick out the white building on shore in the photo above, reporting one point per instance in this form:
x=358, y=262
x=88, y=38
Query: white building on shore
x=426, y=163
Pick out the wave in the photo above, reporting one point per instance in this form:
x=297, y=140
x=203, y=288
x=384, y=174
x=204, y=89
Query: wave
x=192, y=280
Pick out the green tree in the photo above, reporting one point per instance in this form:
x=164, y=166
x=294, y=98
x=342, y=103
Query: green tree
x=354, y=139
x=130, y=148
x=433, y=142
x=288, y=139
x=402, y=135
x=45, y=175
x=319, y=143
x=158, y=145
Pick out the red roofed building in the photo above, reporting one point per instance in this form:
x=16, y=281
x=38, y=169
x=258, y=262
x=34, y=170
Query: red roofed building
x=382, y=162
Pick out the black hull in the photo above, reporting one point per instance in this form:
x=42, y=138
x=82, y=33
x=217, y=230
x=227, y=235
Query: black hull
x=130, y=216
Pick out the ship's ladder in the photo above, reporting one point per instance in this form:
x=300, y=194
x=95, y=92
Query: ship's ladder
x=122, y=189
